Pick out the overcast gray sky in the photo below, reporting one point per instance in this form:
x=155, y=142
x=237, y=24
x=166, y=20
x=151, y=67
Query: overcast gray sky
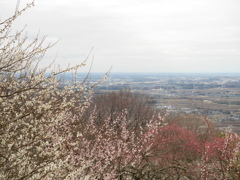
x=138, y=35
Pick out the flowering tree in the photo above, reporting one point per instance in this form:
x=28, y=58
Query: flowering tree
x=32, y=102
x=220, y=157
x=107, y=151
x=177, y=152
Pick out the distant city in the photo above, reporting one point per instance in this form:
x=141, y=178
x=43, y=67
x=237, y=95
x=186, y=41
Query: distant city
x=216, y=95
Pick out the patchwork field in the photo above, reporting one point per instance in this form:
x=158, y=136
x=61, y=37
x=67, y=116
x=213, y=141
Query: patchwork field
x=224, y=111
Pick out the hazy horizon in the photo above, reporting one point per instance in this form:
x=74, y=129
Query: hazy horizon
x=165, y=36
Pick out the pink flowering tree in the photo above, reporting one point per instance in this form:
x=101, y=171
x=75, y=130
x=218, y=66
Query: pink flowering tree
x=178, y=152
x=220, y=157
x=109, y=151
